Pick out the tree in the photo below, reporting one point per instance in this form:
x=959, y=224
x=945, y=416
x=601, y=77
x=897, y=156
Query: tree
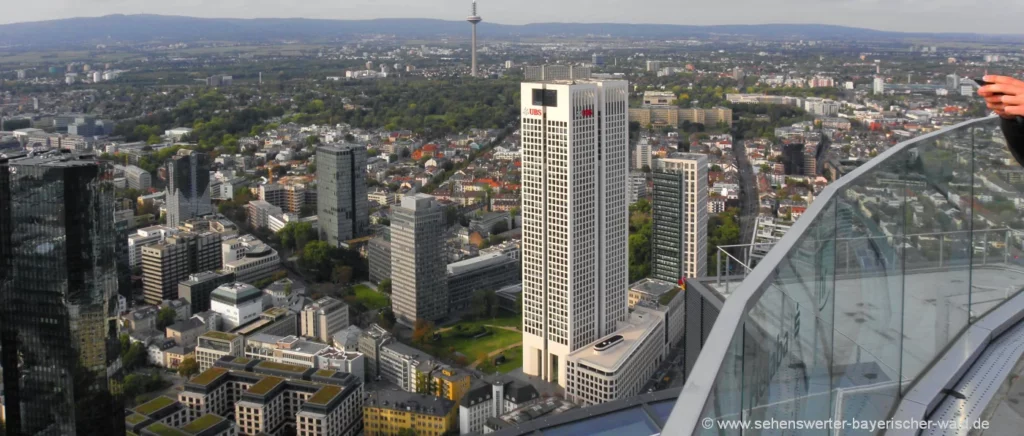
x=422, y=331
x=384, y=286
x=165, y=317
x=646, y=168
x=188, y=367
x=405, y=153
x=126, y=343
x=136, y=356
x=341, y=274
x=349, y=138
x=386, y=318
x=316, y=256
x=312, y=140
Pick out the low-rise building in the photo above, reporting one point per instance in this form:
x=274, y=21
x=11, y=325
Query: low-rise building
x=259, y=212
x=492, y=398
x=370, y=342
x=279, y=293
x=186, y=333
x=237, y=303
x=322, y=319
x=442, y=380
x=213, y=345
x=617, y=366
x=275, y=398
x=199, y=286
x=250, y=260
x=488, y=271
x=277, y=321
x=387, y=413
x=651, y=290
x=397, y=363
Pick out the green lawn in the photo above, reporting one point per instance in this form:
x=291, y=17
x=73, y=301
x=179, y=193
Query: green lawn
x=505, y=320
x=470, y=347
x=514, y=359
x=370, y=298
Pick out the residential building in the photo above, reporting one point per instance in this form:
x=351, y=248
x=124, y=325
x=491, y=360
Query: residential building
x=341, y=193
x=274, y=398
x=637, y=186
x=146, y=236
x=618, y=365
x=878, y=86
x=680, y=210
x=186, y=333
x=821, y=106
x=259, y=213
x=389, y=413
x=379, y=257
x=322, y=319
x=237, y=303
x=199, y=286
x=574, y=218
x=58, y=296
x=491, y=399
x=441, y=380
x=418, y=286
x=213, y=345
x=188, y=187
x=643, y=155
x=167, y=263
x=370, y=342
x=488, y=271
x=397, y=363
x=138, y=178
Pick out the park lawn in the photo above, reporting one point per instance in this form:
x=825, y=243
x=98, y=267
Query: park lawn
x=513, y=360
x=505, y=320
x=471, y=348
x=370, y=298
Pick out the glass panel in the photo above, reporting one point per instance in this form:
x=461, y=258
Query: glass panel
x=997, y=181
x=724, y=402
x=789, y=332
x=633, y=421
x=937, y=247
x=869, y=287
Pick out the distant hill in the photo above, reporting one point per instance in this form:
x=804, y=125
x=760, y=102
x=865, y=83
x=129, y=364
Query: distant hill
x=145, y=28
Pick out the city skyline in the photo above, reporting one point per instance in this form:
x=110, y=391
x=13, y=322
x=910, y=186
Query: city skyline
x=945, y=16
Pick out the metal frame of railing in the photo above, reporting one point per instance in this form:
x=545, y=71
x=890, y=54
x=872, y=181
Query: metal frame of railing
x=690, y=406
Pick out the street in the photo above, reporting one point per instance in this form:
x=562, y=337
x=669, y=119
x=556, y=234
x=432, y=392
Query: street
x=748, y=195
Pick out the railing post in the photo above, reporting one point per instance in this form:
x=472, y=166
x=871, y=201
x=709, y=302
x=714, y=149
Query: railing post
x=942, y=248
x=718, y=265
x=847, y=256
x=984, y=248
x=1006, y=246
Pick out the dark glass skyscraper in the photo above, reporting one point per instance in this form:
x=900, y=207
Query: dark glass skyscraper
x=668, y=231
x=341, y=193
x=58, y=296
x=188, y=187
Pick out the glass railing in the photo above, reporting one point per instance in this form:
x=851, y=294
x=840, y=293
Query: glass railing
x=880, y=275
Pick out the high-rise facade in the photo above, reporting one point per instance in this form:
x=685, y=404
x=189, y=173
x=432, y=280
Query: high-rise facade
x=575, y=166
x=693, y=212
x=342, y=208
x=58, y=296
x=168, y=263
x=419, y=270
x=668, y=228
x=188, y=187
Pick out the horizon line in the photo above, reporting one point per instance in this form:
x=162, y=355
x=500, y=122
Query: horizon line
x=456, y=20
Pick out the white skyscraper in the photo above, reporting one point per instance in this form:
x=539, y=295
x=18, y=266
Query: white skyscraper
x=879, y=86
x=188, y=187
x=643, y=154
x=575, y=178
x=691, y=212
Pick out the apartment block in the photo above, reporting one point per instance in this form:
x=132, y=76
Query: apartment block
x=388, y=413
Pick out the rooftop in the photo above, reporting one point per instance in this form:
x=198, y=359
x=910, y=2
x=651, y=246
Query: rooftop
x=482, y=261
x=325, y=395
x=155, y=405
x=202, y=423
x=409, y=402
x=266, y=385
x=653, y=287
x=213, y=334
x=161, y=429
x=641, y=323
x=235, y=293
x=298, y=370
x=209, y=376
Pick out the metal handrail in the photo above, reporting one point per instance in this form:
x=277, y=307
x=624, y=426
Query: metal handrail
x=695, y=393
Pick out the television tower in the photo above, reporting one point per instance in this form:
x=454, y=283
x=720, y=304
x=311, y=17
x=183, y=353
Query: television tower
x=473, y=19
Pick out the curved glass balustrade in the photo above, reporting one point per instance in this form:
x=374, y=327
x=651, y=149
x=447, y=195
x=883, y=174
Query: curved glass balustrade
x=885, y=269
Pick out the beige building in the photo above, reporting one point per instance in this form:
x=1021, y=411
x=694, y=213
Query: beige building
x=674, y=116
x=276, y=398
x=322, y=319
x=213, y=345
x=167, y=263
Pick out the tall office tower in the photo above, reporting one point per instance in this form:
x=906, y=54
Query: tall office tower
x=58, y=296
x=878, y=86
x=953, y=82
x=188, y=187
x=419, y=268
x=643, y=154
x=341, y=193
x=694, y=215
x=575, y=159
x=168, y=263
x=474, y=19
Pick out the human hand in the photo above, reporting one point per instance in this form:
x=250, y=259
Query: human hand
x=1005, y=95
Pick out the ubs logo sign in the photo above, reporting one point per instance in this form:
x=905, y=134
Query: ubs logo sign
x=586, y=113
x=533, y=112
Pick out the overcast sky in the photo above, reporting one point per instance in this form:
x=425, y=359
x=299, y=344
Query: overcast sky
x=982, y=16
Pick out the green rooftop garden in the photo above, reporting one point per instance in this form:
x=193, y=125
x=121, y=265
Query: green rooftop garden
x=135, y=418
x=219, y=335
x=667, y=297
x=202, y=423
x=242, y=360
x=154, y=405
x=325, y=372
x=282, y=367
x=325, y=395
x=266, y=385
x=208, y=376
x=162, y=429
